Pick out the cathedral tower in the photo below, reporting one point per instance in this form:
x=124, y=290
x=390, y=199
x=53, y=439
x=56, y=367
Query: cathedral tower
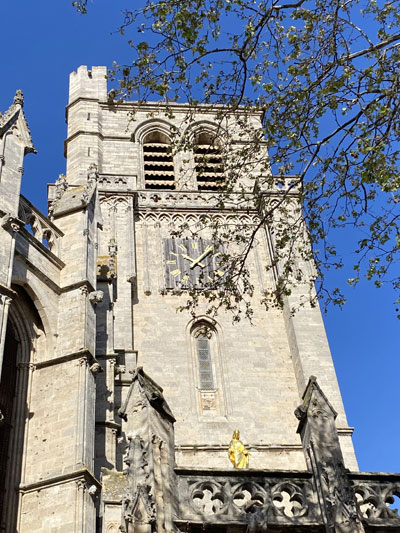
x=120, y=409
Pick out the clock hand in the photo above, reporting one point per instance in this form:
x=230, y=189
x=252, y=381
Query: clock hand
x=202, y=256
x=185, y=256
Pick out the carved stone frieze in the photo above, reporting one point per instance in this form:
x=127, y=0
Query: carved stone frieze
x=107, y=181
x=114, y=202
x=197, y=221
x=192, y=199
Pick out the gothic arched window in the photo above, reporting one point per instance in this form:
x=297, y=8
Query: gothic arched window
x=158, y=162
x=206, y=377
x=207, y=368
x=209, y=164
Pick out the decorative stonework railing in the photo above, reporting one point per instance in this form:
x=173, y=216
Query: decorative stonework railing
x=194, y=200
x=259, y=499
x=117, y=182
x=248, y=497
x=41, y=228
x=377, y=496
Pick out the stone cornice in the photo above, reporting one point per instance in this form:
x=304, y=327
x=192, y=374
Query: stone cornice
x=81, y=354
x=83, y=474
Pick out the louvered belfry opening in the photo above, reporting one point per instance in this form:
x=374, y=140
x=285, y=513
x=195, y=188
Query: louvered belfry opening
x=158, y=162
x=208, y=163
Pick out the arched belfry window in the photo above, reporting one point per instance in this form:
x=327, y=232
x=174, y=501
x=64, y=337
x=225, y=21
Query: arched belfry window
x=158, y=162
x=209, y=164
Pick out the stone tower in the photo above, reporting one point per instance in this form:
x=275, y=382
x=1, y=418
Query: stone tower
x=117, y=411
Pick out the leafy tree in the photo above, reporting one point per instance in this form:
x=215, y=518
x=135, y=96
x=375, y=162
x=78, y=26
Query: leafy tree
x=324, y=76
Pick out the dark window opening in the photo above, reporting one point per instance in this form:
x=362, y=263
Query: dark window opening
x=158, y=162
x=209, y=164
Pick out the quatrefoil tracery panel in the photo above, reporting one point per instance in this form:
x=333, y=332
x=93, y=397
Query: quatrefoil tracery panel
x=208, y=498
x=247, y=496
x=289, y=500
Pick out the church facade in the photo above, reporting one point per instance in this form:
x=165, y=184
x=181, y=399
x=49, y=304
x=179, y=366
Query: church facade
x=117, y=411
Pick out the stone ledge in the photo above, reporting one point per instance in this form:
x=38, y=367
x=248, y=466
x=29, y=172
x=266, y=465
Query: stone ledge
x=82, y=474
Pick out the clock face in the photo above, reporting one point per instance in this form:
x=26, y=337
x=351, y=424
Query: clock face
x=191, y=263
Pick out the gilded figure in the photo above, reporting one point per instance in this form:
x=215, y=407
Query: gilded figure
x=238, y=455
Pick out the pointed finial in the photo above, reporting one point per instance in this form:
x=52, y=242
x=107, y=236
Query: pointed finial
x=19, y=98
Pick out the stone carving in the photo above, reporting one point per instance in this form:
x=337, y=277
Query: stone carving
x=139, y=511
x=324, y=456
x=19, y=98
x=112, y=264
x=92, y=174
x=18, y=102
x=84, y=290
x=149, y=457
x=96, y=368
x=61, y=185
x=96, y=297
x=9, y=222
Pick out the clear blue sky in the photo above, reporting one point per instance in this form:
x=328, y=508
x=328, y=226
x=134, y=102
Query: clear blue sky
x=41, y=43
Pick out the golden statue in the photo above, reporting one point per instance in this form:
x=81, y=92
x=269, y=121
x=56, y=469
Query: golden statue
x=238, y=455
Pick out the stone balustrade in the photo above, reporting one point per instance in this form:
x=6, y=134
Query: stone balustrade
x=257, y=500
x=41, y=228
